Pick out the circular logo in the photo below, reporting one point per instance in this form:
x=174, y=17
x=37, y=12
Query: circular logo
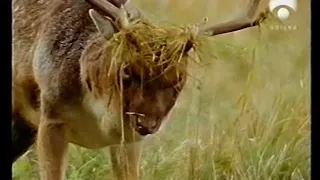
x=283, y=9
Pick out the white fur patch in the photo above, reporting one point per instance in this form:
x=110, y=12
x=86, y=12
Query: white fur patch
x=95, y=106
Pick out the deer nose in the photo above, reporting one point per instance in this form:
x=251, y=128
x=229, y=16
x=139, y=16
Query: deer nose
x=145, y=126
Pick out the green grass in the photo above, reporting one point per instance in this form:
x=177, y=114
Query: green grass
x=244, y=114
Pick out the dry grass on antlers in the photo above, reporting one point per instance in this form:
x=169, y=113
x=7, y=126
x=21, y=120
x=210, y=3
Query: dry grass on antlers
x=150, y=51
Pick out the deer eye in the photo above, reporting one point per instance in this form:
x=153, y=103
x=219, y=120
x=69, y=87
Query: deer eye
x=127, y=79
x=127, y=83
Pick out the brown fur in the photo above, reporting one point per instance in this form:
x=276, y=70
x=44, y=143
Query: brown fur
x=60, y=88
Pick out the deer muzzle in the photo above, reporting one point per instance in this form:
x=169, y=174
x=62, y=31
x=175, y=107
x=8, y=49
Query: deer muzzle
x=145, y=126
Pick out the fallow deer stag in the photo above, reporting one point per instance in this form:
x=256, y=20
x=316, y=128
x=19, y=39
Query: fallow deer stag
x=57, y=49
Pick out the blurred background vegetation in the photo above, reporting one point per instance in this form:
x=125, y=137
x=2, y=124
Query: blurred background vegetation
x=244, y=114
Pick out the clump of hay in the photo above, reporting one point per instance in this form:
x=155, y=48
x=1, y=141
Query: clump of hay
x=150, y=52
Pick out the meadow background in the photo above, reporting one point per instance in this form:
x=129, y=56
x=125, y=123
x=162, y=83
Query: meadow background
x=244, y=114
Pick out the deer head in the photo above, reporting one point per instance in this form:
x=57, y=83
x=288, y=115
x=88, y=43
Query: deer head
x=145, y=104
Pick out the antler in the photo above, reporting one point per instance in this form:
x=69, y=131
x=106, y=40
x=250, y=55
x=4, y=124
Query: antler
x=117, y=9
x=120, y=14
x=235, y=25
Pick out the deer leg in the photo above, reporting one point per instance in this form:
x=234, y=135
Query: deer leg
x=52, y=148
x=23, y=136
x=52, y=141
x=125, y=161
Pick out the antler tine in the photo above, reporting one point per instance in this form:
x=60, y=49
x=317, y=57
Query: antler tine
x=234, y=25
x=134, y=12
x=106, y=7
x=129, y=7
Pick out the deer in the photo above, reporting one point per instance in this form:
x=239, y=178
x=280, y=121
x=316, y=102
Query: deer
x=58, y=46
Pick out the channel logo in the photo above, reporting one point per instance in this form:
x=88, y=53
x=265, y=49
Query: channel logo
x=283, y=9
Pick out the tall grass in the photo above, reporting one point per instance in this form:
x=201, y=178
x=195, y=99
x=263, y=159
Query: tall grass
x=244, y=114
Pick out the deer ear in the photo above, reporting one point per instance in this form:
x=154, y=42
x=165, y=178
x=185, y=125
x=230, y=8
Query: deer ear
x=104, y=25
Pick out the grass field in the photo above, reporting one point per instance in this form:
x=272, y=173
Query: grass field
x=244, y=114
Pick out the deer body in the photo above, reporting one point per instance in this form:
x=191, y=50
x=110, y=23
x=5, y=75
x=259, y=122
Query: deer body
x=49, y=38
x=52, y=98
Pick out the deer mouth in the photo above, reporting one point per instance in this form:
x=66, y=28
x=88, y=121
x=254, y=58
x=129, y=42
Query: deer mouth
x=145, y=127
x=142, y=131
